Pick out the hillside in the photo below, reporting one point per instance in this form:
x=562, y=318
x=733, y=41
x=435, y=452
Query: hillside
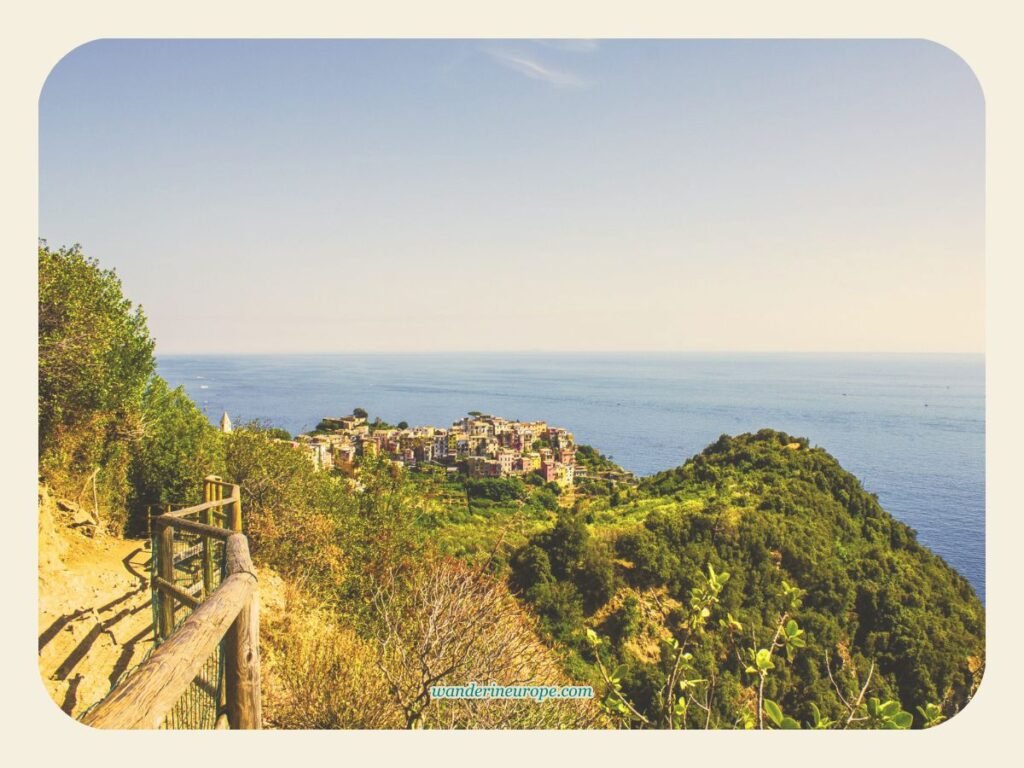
x=772, y=512
x=95, y=618
x=757, y=585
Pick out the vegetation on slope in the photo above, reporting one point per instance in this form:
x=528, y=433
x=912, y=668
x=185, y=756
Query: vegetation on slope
x=771, y=511
x=112, y=434
x=758, y=584
x=366, y=580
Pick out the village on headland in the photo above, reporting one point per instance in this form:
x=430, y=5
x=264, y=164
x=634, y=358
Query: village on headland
x=477, y=446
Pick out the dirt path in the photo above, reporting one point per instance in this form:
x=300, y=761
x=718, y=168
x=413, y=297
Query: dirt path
x=95, y=621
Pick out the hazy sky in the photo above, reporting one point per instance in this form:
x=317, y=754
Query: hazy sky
x=331, y=196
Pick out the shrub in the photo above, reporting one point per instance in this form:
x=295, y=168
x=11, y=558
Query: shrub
x=595, y=577
x=530, y=566
x=177, y=449
x=496, y=489
x=319, y=674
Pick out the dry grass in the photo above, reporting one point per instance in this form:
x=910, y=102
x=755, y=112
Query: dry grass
x=317, y=673
x=320, y=674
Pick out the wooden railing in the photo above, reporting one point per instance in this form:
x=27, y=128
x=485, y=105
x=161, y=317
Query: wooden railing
x=224, y=620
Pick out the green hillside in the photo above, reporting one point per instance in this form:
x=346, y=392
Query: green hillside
x=771, y=512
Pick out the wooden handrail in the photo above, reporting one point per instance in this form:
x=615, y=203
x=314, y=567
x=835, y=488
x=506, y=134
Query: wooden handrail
x=164, y=522
x=177, y=513
x=229, y=614
x=176, y=592
x=242, y=647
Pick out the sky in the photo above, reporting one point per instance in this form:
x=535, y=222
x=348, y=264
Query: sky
x=516, y=195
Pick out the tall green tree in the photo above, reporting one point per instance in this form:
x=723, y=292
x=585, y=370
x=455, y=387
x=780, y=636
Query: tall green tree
x=95, y=358
x=95, y=351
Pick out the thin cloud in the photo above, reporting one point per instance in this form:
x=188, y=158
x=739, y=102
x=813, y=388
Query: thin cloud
x=535, y=70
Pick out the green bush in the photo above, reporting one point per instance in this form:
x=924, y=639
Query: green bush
x=530, y=566
x=625, y=622
x=177, y=450
x=559, y=607
x=503, y=489
x=595, y=576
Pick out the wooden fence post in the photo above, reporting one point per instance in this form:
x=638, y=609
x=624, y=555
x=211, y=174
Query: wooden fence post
x=207, y=518
x=236, y=509
x=145, y=697
x=242, y=649
x=165, y=565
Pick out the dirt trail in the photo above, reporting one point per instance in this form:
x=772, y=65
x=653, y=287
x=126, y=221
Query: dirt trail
x=95, y=621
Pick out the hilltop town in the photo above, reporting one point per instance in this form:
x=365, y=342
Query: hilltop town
x=479, y=446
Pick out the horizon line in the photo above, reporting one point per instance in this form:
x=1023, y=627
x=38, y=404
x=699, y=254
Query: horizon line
x=790, y=352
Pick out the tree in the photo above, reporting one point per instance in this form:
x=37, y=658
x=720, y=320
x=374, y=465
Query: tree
x=448, y=623
x=595, y=576
x=497, y=489
x=359, y=413
x=530, y=566
x=277, y=433
x=545, y=498
x=295, y=517
x=177, y=449
x=95, y=357
x=559, y=606
x=95, y=351
x=565, y=544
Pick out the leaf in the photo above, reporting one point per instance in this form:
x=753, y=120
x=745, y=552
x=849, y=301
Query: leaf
x=592, y=637
x=889, y=708
x=792, y=630
x=764, y=660
x=789, y=724
x=774, y=711
x=902, y=720
x=873, y=706
x=932, y=714
x=815, y=714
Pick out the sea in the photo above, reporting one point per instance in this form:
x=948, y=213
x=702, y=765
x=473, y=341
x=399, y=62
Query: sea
x=911, y=428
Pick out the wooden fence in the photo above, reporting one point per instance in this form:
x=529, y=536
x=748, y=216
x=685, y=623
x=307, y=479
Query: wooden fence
x=221, y=625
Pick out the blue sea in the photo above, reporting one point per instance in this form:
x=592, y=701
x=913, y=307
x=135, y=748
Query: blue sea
x=912, y=428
